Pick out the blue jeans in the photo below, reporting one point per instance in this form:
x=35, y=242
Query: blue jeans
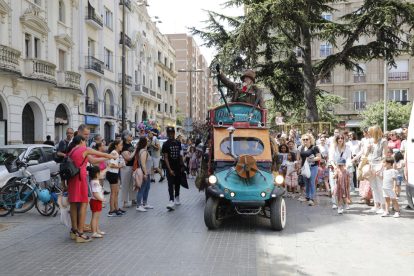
x=143, y=192
x=352, y=183
x=310, y=182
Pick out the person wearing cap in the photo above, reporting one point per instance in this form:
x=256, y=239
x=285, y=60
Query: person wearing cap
x=173, y=159
x=247, y=92
x=343, y=181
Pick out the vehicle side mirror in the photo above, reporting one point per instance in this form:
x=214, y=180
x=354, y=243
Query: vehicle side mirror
x=33, y=162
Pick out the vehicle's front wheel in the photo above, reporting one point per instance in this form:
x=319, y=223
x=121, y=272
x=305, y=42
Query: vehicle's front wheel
x=211, y=212
x=278, y=214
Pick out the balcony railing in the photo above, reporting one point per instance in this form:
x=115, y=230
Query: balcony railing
x=128, y=80
x=9, y=58
x=152, y=93
x=91, y=107
x=326, y=80
x=128, y=42
x=109, y=110
x=360, y=105
x=41, y=70
x=360, y=78
x=127, y=4
x=159, y=96
x=402, y=102
x=145, y=89
x=93, y=19
x=69, y=79
x=94, y=65
x=398, y=76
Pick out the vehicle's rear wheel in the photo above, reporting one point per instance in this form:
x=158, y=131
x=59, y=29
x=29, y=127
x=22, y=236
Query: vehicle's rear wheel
x=45, y=208
x=12, y=187
x=211, y=211
x=6, y=203
x=278, y=214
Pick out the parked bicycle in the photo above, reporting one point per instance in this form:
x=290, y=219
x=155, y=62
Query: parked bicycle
x=23, y=193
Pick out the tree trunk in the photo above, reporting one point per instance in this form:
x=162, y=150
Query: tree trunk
x=309, y=84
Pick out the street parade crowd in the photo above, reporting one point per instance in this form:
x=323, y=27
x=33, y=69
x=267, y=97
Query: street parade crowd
x=337, y=163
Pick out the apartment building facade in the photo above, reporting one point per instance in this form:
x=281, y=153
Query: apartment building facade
x=39, y=70
x=194, y=89
x=363, y=88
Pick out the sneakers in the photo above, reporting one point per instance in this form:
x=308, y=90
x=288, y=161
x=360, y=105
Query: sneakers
x=340, y=210
x=293, y=195
x=385, y=214
x=170, y=206
x=162, y=179
x=380, y=211
x=147, y=206
x=300, y=199
x=345, y=209
x=373, y=210
x=141, y=209
x=122, y=211
x=353, y=193
x=348, y=207
x=289, y=195
x=177, y=200
x=397, y=215
x=113, y=214
x=334, y=207
x=311, y=203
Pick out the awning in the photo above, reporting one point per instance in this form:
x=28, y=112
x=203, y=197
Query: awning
x=353, y=123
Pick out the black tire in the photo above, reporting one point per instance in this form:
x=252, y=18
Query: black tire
x=12, y=188
x=278, y=214
x=210, y=213
x=46, y=209
x=5, y=201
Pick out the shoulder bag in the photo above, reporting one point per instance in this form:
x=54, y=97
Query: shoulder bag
x=138, y=175
x=68, y=169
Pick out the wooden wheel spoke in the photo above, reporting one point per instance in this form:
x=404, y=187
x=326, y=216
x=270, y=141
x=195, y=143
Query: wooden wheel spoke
x=253, y=170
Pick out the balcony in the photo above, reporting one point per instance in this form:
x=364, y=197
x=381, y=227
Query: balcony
x=94, y=66
x=109, y=110
x=128, y=80
x=360, y=105
x=69, y=79
x=141, y=91
x=9, y=59
x=153, y=93
x=360, y=78
x=93, y=19
x=41, y=70
x=159, y=96
x=91, y=107
x=127, y=5
x=128, y=42
x=398, y=76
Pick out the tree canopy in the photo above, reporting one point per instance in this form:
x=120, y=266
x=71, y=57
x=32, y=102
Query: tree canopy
x=269, y=33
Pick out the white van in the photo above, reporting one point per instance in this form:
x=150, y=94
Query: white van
x=409, y=159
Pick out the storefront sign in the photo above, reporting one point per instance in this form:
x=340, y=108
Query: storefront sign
x=92, y=120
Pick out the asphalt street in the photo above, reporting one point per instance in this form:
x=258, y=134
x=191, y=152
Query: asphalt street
x=316, y=241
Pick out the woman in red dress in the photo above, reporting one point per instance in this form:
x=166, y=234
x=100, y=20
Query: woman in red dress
x=78, y=188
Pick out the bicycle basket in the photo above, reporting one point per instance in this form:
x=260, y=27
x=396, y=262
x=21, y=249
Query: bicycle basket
x=42, y=175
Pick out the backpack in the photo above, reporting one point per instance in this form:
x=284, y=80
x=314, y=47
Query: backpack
x=68, y=169
x=58, y=159
x=138, y=175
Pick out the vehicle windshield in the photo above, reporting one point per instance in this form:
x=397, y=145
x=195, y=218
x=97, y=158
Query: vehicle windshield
x=249, y=145
x=8, y=155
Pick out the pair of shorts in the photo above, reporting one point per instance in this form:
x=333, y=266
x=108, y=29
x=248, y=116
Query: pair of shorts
x=389, y=193
x=321, y=180
x=399, y=180
x=112, y=177
x=155, y=162
x=96, y=205
x=301, y=182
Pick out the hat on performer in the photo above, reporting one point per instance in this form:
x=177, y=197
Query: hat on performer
x=249, y=73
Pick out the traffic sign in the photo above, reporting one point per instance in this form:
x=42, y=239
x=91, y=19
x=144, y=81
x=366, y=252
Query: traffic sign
x=188, y=128
x=188, y=122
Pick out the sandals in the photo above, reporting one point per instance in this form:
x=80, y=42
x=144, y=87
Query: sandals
x=134, y=202
x=362, y=202
x=96, y=235
x=73, y=234
x=311, y=203
x=80, y=239
x=126, y=205
x=101, y=233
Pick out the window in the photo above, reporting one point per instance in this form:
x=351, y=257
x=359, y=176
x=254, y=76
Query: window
x=61, y=11
x=298, y=52
x=151, y=84
x=166, y=86
x=400, y=73
x=136, y=76
x=159, y=82
x=361, y=76
x=249, y=145
x=159, y=107
x=38, y=2
x=326, y=50
x=143, y=79
x=159, y=56
x=36, y=48
x=165, y=61
x=108, y=18
x=166, y=108
x=327, y=16
x=27, y=45
x=171, y=89
x=108, y=59
x=398, y=95
x=327, y=78
x=62, y=55
x=36, y=154
x=171, y=111
x=48, y=153
x=360, y=100
x=171, y=66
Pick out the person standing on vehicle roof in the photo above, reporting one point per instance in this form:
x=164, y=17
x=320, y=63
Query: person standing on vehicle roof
x=248, y=92
x=173, y=152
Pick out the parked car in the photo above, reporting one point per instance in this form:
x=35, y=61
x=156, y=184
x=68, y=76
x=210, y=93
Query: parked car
x=39, y=152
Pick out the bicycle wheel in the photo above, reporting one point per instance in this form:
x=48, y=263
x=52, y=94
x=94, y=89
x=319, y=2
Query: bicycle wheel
x=45, y=208
x=6, y=203
x=14, y=187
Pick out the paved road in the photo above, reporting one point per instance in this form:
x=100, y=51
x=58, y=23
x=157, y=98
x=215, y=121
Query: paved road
x=316, y=241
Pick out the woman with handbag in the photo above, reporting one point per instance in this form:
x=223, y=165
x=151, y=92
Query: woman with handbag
x=337, y=150
x=310, y=153
x=128, y=153
x=78, y=184
x=377, y=150
x=144, y=162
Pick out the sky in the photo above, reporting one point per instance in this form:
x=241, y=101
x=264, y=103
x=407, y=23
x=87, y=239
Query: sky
x=176, y=15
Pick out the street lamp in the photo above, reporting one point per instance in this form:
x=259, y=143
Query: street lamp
x=191, y=100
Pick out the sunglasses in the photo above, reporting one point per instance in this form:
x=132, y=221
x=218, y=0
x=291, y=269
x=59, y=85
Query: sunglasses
x=306, y=139
x=339, y=138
